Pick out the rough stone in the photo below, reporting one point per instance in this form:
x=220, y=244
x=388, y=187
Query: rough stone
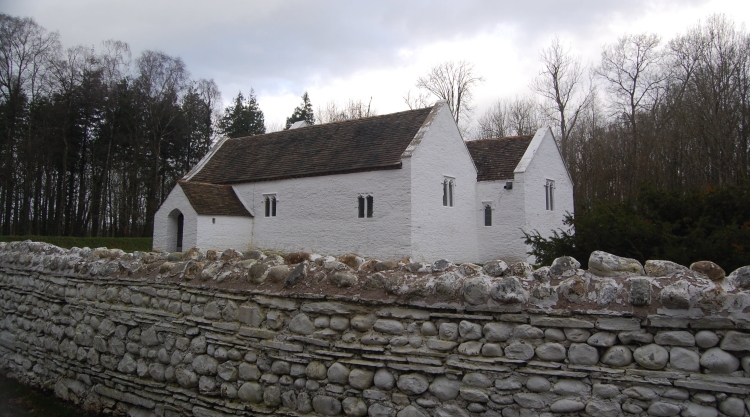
x=570, y=388
x=301, y=324
x=618, y=356
x=602, y=339
x=529, y=400
x=450, y=410
x=251, y=392
x=554, y=335
x=384, y=379
x=205, y=365
x=675, y=338
x=607, y=265
x=525, y=331
x=582, y=354
x=354, y=407
x=472, y=348
x=361, y=378
x=413, y=384
x=380, y=410
x=662, y=409
x=411, y=411
x=603, y=408
x=538, y=384
x=476, y=291
x=735, y=341
x=469, y=331
x=640, y=336
x=706, y=339
x=448, y=331
x=717, y=361
x=697, y=410
x=577, y=335
x=733, y=407
x=640, y=393
x=477, y=380
x=325, y=405
x=316, y=370
x=509, y=291
x=566, y=406
x=492, y=350
x=520, y=351
x=711, y=270
x=495, y=268
x=497, y=332
x=553, y=352
x=562, y=264
x=651, y=356
x=676, y=296
x=338, y=374
x=640, y=292
x=684, y=360
x=444, y=389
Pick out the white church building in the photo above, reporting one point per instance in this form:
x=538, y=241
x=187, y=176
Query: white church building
x=389, y=187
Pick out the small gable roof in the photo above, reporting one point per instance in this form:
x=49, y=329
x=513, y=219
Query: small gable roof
x=335, y=148
x=496, y=159
x=212, y=199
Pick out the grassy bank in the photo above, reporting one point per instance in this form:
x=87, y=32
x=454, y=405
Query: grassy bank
x=128, y=244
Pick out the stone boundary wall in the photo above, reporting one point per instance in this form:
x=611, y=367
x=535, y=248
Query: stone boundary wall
x=210, y=334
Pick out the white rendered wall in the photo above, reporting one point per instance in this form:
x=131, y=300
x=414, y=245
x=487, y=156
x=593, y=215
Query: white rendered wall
x=439, y=231
x=504, y=239
x=546, y=164
x=319, y=214
x=224, y=232
x=165, y=228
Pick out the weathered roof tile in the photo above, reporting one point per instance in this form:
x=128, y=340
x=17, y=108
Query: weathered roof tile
x=211, y=199
x=496, y=159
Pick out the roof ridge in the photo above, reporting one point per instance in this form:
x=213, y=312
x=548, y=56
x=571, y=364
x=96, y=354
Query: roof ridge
x=359, y=119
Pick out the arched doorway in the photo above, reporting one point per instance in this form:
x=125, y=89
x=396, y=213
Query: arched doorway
x=176, y=230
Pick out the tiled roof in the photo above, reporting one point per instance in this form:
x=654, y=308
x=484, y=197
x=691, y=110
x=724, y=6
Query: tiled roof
x=496, y=159
x=210, y=199
x=355, y=145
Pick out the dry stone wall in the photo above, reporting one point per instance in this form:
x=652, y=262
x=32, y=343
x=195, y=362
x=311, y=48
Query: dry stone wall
x=210, y=334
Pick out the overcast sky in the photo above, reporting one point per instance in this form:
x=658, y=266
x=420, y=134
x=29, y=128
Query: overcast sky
x=340, y=50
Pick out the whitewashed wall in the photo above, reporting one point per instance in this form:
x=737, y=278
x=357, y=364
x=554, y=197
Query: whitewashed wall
x=504, y=239
x=226, y=232
x=439, y=231
x=165, y=228
x=546, y=164
x=320, y=213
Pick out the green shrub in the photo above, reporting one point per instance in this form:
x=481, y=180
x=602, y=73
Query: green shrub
x=711, y=224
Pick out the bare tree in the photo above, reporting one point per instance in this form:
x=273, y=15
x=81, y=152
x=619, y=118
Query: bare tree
x=562, y=86
x=633, y=78
x=453, y=82
x=353, y=109
x=507, y=117
x=417, y=101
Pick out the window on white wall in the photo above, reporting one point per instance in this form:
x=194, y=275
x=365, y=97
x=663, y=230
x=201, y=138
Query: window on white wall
x=549, y=194
x=270, y=203
x=365, y=206
x=449, y=185
x=487, y=214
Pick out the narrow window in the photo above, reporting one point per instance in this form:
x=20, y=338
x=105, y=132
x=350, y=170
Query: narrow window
x=270, y=205
x=549, y=194
x=487, y=215
x=449, y=184
x=370, y=200
x=361, y=211
x=213, y=220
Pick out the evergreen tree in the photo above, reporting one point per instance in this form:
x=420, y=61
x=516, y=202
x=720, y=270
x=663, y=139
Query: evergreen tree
x=243, y=118
x=302, y=112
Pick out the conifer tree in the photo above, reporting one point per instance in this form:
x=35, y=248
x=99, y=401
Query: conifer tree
x=243, y=118
x=302, y=112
